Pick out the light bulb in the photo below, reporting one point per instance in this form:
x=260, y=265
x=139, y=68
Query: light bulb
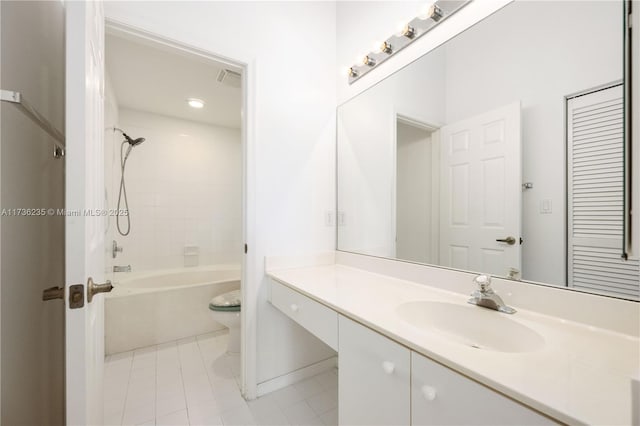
x=386, y=48
x=368, y=60
x=408, y=31
x=195, y=103
x=432, y=11
x=404, y=29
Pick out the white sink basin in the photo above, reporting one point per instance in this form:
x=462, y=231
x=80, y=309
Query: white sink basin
x=471, y=326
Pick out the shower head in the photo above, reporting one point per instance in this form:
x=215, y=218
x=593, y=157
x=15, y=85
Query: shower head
x=132, y=142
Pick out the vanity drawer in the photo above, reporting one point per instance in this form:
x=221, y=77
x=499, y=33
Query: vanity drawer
x=440, y=396
x=319, y=320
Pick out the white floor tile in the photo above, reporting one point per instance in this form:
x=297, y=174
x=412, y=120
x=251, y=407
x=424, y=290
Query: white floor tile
x=135, y=399
x=308, y=388
x=204, y=412
x=137, y=414
x=176, y=418
x=300, y=413
x=328, y=380
x=169, y=404
x=198, y=390
x=239, y=416
x=330, y=418
x=323, y=402
x=266, y=411
x=112, y=419
x=286, y=397
x=229, y=401
x=195, y=382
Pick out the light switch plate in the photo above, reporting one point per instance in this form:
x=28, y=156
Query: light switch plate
x=546, y=207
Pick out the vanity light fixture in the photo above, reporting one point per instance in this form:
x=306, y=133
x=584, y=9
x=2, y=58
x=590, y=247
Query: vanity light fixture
x=434, y=14
x=195, y=103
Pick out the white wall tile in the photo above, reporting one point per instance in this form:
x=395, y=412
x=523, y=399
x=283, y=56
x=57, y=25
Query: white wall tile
x=180, y=192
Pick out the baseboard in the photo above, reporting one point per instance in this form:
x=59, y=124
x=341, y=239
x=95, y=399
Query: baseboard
x=296, y=376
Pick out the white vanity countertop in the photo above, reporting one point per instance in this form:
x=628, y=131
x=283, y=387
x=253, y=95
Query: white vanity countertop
x=581, y=375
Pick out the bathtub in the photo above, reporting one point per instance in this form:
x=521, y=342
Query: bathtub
x=150, y=308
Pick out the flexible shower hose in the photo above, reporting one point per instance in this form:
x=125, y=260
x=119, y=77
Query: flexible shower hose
x=123, y=191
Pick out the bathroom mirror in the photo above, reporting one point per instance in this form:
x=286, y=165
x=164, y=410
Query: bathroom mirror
x=500, y=151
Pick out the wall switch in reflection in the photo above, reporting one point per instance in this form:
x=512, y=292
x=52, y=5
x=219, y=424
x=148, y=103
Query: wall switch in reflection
x=328, y=218
x=342, y=221
x=546, y=207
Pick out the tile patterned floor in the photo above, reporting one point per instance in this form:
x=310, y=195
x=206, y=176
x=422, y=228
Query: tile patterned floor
x=194, y=382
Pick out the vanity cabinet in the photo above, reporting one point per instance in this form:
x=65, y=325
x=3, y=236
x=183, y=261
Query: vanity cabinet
x=440, y=396
x=381, y=382
x=319, y=320
x=373, y=377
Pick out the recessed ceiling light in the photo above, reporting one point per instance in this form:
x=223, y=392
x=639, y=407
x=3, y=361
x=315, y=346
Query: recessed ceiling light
x=195, y=103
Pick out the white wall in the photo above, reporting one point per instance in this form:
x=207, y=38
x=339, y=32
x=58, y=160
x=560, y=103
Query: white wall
x=184, y=186
x=111, y=167
x=32, y=246
x=366, y=152
x=290, y=49
x=471, y=89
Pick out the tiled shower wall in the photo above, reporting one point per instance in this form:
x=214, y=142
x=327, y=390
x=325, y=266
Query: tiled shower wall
x=184, y=186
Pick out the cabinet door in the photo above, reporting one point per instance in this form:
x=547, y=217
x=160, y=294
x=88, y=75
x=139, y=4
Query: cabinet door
x=374, y=377
x=440, y=396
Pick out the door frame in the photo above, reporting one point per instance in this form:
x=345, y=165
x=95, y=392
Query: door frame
x=435, y=147
x=249, y=282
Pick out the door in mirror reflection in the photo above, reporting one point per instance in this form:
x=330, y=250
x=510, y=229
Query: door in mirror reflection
x=595, y=158
x=480, y=192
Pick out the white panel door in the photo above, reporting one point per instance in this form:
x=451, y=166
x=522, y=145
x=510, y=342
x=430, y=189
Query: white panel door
x=85, y=199
x=481, y=192
x=373, y=377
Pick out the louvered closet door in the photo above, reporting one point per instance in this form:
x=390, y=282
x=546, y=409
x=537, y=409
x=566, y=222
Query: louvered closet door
x=595, y=189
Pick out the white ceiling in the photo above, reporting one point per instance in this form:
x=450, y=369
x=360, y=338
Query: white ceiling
x=148, y=77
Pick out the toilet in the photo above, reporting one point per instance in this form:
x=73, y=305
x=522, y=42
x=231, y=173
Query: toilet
x=225, y=309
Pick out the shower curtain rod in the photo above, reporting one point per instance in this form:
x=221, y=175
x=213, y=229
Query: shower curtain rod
x=18, y=100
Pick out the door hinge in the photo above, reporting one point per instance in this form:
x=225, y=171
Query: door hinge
x=246, y=248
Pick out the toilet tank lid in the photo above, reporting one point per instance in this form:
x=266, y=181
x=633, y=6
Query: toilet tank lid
x=230, y=299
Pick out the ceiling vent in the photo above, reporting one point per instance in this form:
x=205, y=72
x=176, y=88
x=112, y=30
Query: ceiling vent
x=229, y=78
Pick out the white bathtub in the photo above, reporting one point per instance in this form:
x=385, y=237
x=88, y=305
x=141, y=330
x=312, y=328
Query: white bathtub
x=150, y=308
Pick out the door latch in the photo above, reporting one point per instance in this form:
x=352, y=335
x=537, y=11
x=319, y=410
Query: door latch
x=76, y=292
x=76, y=296
x=52, y=293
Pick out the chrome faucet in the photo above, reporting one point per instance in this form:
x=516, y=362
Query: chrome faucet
x=485, y=296
x=122, y=268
